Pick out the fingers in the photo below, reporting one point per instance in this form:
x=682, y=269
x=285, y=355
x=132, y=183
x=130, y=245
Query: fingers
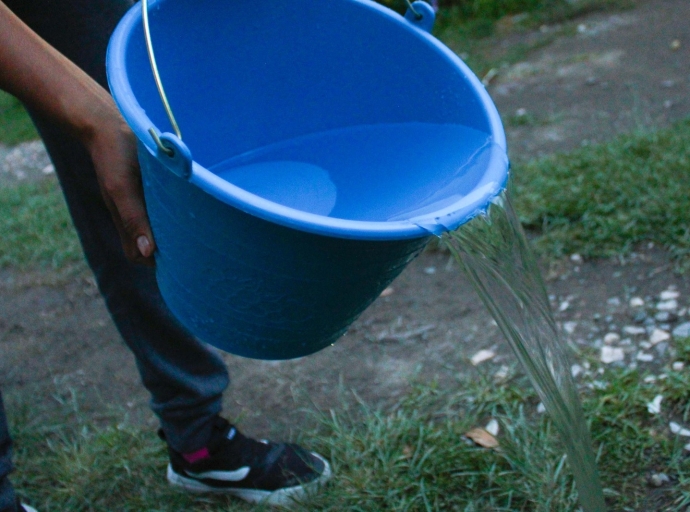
x=124, y=197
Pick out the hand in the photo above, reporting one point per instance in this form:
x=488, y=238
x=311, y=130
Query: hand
x=113, y=149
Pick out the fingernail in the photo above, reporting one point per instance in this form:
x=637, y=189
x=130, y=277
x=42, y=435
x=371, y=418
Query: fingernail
x=144, y=246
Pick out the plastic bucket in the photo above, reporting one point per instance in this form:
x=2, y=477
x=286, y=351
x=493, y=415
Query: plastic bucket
x=324, y=139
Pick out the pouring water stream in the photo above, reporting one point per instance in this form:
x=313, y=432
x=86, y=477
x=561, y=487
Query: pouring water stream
x=494, y=252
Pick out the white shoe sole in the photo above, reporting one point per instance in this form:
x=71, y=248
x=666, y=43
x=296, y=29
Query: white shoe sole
x=279, y=497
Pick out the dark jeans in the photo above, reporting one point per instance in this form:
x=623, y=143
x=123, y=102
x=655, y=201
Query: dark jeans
x=185, y=377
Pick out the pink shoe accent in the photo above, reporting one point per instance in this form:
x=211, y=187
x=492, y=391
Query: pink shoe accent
x=196, y=456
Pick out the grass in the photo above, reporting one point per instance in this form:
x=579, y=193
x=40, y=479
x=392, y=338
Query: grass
x=415, y=457
x=35, y=227
x=605, y=199
x=15, y=124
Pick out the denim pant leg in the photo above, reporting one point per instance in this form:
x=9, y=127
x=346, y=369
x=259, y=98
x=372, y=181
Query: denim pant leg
x=8, y=500
x=185, y=377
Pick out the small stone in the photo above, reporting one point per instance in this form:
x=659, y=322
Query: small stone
x=682, y=331
x=687, y=447
x=682, y=311
x=581, y=28
x=502, y=373
x=639, y=317
x=430, y=270
x=481, y=356
x=658, y=479
x=678, y=366
x=634, y=330
x=48, y=169
x=675, y=45
x=576, y=258
x=563, y=306
x=612, y=338
x=668, y=103
x=650, y=379
x=645, y=345
x=569, y=327
x=665, y=316
x=654, y=407
x=636, y=302
x=658, y=336
x=611, y=354
x=645, y=358
x=668, y=83
x=541, y=408
x=576, y=370
x=492, y=427
x=613, y=301
x=677, y=429
x=669, y=295
x=667, y=305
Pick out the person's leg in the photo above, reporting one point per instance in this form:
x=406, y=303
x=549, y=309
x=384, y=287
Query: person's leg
x=186, y=378
x=8, y=500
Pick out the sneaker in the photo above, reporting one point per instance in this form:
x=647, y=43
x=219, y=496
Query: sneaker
x=25, y=508
x=255, y=471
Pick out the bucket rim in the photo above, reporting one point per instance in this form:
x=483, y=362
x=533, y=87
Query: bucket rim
x=493, y=181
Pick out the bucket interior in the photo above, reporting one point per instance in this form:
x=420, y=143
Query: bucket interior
x=338, y=109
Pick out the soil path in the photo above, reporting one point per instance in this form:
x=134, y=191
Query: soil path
x=604, y=74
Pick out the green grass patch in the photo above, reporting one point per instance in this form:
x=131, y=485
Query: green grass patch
x=603, y=200
x=35, y=227
x=413, y=457
x=15, y=123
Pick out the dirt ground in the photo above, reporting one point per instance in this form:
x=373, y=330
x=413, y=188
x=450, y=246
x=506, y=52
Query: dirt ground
x=603, y=74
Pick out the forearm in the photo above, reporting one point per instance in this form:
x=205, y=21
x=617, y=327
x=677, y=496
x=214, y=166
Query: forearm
x=48, y=82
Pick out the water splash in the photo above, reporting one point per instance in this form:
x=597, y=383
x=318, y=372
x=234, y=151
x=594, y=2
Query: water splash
x=493, y=250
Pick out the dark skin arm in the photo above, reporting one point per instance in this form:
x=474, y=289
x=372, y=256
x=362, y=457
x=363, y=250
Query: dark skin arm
x=51, y=84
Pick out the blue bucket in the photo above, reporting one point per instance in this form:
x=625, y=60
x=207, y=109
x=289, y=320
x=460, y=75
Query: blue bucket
x=330, y=142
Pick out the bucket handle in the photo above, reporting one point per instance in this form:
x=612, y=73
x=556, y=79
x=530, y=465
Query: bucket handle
x=418, y=13
x=159, y=84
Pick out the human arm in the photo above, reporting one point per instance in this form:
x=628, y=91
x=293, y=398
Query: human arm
x=51, y=84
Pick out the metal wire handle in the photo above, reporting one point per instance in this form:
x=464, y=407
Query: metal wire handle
x=159, y=84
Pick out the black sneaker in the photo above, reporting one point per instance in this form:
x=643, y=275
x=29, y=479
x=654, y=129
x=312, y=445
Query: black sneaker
x=255, y=471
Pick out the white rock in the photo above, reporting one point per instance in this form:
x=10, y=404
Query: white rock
x=611, y=338
x=687, y=447
x=430, y=270
x=682, y=330
x=492, y=427
x=613, y=301
x=667, y=305
x=541, y=408
x=669, y=295
x=645, y=345
x=563, y=306
x=611, y=354
x=678, y=366
x=654, y=407
x=677, y=429
x=481, y=356
x=576, y=370
x=636, y=302
x=502, y=373
x=658, y=335
x=634, y=330
x=576, y=258
x=650, y=378
x=645, y=358
x=569, y=327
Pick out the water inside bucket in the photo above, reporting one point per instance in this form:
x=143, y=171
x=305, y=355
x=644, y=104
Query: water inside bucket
x=380, y=172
